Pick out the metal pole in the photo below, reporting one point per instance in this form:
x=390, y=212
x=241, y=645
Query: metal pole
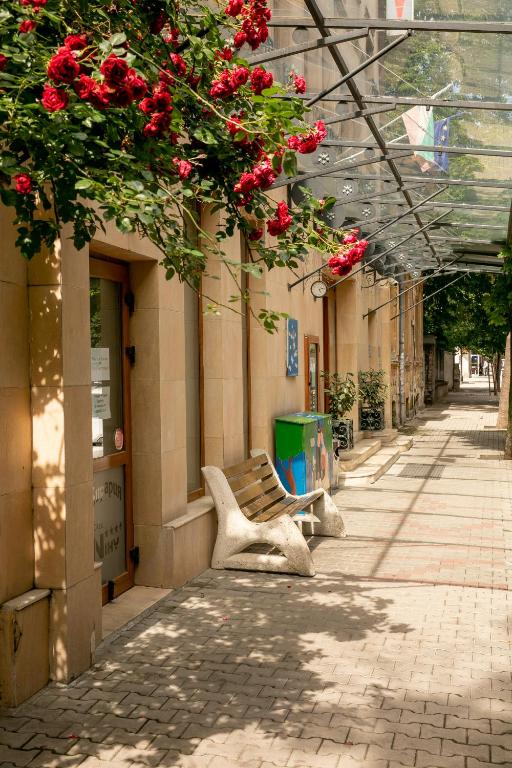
x=311, y=45
x=381, y=255
x=363, y=65
x=441, y=269
x=423, y=202
x=401, y=354
x=429, y=295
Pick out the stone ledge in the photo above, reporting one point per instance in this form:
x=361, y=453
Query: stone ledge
x=25, y=600
x=195, y=509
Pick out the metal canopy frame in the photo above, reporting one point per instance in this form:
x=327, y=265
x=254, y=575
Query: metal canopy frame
x=386, y=153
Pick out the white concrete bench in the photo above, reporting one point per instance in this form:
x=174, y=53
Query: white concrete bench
x=253, y=507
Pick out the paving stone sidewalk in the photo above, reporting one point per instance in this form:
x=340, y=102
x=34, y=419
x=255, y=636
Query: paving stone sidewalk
x=396, y=654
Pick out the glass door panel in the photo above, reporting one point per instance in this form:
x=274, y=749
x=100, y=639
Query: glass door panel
x=111, y=451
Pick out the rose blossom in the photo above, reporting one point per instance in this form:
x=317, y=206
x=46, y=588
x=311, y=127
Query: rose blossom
x=26, y=26
x=183, y=167
x=114, y=69
x=54, y=99
x=23, y=183
x=63, y=68
x=255, y=234
x=234, y=8
x=3, y=62
x=282, y=220
x=84, y=87
x=75, y=42
x=299, y=84
x=136, y=83
x=260, y=79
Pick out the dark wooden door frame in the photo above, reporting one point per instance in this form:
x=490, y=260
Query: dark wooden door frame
x=308, y=339
x=118, y=272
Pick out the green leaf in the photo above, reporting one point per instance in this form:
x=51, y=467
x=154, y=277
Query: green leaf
x=83, y=184
x=138, y=186
x=118, y=39
x=205, y=135
x=290, y=163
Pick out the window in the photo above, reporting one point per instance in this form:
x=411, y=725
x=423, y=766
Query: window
x=193, y=393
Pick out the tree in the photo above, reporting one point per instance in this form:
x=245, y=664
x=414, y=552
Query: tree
x=141, y=111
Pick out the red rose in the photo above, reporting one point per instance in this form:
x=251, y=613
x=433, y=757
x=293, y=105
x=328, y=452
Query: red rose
x=122, y=95
x=162, y=100
x=63, y=68
x=26, y=26
x=234, y=8
x=147, y=106
x=23, y=183
x=179, y=64
x=85, y=86
x=265, y=175
x=137, y=84
x=350, y=238
x=256, y=234
x=100, y=96
x=183, y=167
x=299, y=84
x=226, y=54
x=158, y=124
x=54, y=99
x=114, y=69
x=75, y=42
x=158, y=22
x=239, y=39
x=260, y=79
x=282, y=220
x=239, y=76
x=247, y=183
x=3, y=62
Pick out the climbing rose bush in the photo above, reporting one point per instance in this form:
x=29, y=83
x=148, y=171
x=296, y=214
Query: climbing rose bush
x=146, y=112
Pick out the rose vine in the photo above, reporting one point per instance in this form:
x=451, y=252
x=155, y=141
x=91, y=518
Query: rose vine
x=144, y=112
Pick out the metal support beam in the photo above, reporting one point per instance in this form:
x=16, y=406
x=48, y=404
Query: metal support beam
x=492, y=183
x=364, y=64
x=414, y=101
x=481, y=27
x=420, y=282
x=357, y=113
x=463, y=206
x=372, y=234
x=429, y=296
x=509, y=229
x=311, y=45
x=419, y=148
x=326, y=171
x=320, y=23
x=373, y=195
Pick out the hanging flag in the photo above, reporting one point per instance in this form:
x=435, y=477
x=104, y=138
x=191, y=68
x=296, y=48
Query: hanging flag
x=419, y=124
x=442, y=139
x=400, y=9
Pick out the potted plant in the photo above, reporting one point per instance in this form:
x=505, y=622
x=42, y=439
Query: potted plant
x=342, y=393
x=372, y=396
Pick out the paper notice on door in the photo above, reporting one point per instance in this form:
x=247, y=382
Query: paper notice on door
x=101, y=403
x=100, y=364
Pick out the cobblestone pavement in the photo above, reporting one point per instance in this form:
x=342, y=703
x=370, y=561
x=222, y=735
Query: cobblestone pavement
x=396, y=654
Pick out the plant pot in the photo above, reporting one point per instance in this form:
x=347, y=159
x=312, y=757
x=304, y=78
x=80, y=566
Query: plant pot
x=342, y=435
x=371, y=418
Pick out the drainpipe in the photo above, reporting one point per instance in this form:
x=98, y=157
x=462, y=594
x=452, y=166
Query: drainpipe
x=401, y=352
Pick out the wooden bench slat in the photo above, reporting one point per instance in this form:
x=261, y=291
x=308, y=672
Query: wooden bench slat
x=241, y=482
x=245, y=466
x=262, y=503
x=255, y=490
x=276, y=510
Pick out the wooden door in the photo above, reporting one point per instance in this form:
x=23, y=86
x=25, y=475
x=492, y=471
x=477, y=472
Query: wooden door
x=111, y=358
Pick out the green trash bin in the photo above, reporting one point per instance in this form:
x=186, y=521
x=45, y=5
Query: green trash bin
x=304, y=453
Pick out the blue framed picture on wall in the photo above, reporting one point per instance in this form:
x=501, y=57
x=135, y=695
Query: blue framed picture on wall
x=292, y=347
